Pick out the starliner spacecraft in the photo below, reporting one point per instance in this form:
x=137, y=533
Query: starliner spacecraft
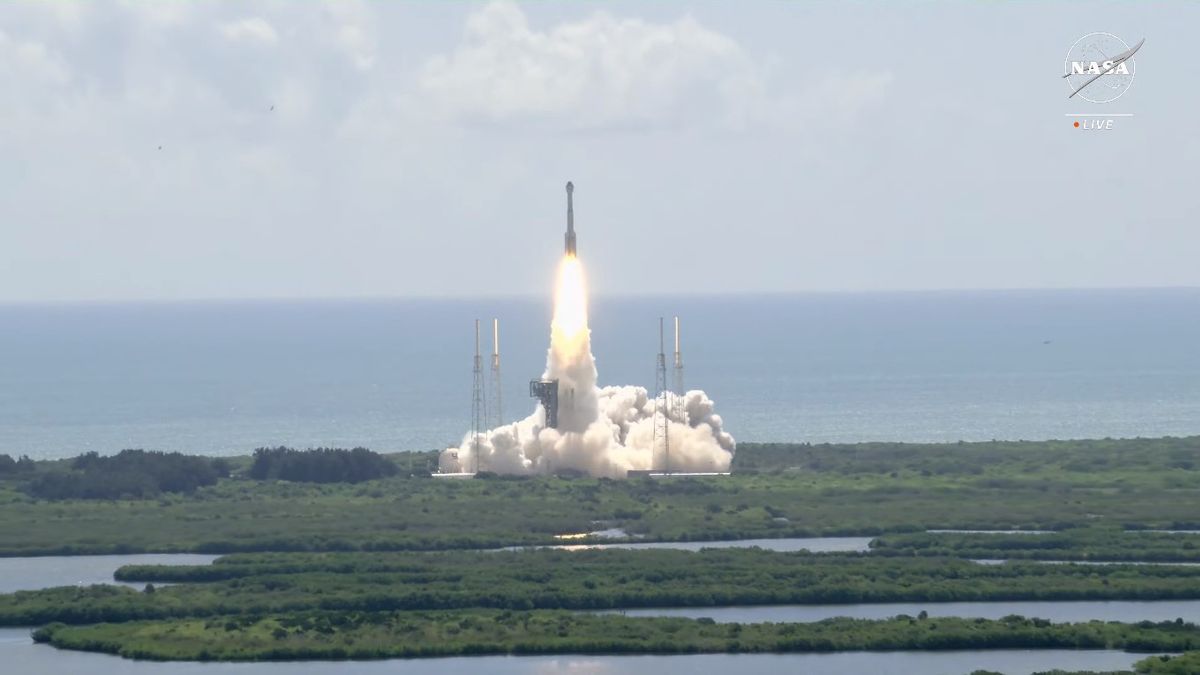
x=570, y=238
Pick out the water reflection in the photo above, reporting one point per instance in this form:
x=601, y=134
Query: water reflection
x=1072, y=611
x=28, y=574
x=990, y=532
x=811, y=544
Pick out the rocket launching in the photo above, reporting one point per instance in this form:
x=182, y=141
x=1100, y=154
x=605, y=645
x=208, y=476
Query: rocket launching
x=602, y=431
x=570, y=238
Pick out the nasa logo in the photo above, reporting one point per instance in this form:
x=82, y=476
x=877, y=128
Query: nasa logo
x=1106, y=68
x=1100, y=67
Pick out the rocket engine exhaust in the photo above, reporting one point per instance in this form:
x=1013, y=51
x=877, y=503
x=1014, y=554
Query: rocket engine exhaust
x=602, y=431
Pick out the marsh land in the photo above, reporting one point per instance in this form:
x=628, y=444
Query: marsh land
x=384, y=560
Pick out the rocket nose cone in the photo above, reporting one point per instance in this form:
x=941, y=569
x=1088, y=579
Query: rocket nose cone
x=570, y=186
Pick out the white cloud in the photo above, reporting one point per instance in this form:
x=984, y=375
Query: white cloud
x=598, y=72
x=251, y=29
x=30, y=61
x=604, y=73
x=832, y=99
x=352, y=32
x=160, y=14
x=314, y=120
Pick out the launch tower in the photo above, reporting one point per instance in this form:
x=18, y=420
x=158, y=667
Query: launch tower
x=662, y=419
x=677, y=387
x=477, y=410
x=546, y=392
x=496, y=410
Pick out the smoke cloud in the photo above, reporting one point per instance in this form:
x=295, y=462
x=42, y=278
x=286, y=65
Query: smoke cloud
x=602, y=431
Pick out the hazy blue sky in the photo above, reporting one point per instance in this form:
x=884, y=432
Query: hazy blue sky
x=422, y=148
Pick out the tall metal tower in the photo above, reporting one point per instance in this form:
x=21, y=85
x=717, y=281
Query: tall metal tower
x=477, y=409
x=661, y=404
x=496, y=410
x=677, y=387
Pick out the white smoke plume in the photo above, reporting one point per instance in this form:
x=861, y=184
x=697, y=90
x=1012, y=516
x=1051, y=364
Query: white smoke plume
x=602, y=431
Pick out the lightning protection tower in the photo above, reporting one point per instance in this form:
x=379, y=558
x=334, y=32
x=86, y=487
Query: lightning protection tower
x=677, y=387
x=477, y=409
x=661, y=404
x=496, y=418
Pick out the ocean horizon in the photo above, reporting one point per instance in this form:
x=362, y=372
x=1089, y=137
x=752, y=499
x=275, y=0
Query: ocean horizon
x=223, y=377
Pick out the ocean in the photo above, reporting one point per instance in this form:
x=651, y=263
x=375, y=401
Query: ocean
x=226, y=377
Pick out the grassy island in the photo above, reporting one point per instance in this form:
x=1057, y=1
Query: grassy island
x=378, y=635
x=578, y=580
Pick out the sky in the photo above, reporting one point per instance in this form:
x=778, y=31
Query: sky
x=172, y=150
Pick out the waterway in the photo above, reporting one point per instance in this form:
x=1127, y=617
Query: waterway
x=1057, y=611
x=28, y=574
x=990, y=532
x=812, y=544
x=32, y=573
x=18, y=651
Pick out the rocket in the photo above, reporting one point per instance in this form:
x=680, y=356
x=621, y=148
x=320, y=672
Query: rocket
x=570, y=238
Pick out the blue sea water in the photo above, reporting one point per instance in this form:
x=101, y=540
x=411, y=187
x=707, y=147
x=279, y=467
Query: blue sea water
x=226, y=377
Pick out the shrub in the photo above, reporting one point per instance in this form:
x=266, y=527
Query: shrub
x=323, y=465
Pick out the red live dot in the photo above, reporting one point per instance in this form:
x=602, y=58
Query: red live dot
x=1077, y=125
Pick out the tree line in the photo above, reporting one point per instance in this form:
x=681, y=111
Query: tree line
x=142, y=474
x=374, y=635
x=10, y=466
x=323, y=465
x=127, y=474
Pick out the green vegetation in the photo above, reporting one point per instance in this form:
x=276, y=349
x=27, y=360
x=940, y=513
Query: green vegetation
x=578, y=580
x=777, y=491
x=1059, y=461
x=1085, y=544
x=323, y=465
x=338, y=553
x=13, y=467
x=372, y=635
x=1184, y=664
x=128, y=474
